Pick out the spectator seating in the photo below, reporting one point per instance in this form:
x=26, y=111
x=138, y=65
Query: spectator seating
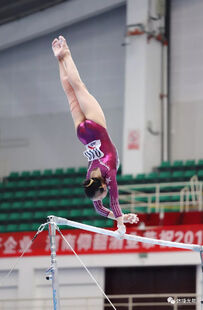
x=28, y=197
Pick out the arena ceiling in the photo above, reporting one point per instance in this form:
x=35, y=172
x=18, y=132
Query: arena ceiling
x=11, y=10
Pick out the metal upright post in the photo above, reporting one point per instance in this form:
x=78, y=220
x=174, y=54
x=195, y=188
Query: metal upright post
x=52, y=272
x=201, y=256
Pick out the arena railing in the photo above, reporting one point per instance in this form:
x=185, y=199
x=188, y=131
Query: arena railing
x=127, y=302
x=190, y=196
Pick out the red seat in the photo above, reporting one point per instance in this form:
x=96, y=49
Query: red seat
x=194, y=217
x=171, y=218
x=153, y=219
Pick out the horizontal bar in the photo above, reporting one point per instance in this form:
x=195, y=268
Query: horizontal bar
x=63, y=221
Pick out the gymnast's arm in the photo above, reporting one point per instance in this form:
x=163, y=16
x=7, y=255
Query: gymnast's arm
x=64, y=78
x=116, y=213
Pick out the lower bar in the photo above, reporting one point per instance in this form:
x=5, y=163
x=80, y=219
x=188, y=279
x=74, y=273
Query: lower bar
x=63, y=221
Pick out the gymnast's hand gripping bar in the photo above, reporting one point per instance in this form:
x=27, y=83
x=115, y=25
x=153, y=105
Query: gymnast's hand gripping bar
x=63, y=221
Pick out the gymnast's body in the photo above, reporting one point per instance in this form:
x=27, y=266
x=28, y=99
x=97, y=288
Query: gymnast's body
x=90, y=125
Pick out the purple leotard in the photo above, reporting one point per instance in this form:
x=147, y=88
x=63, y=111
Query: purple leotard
x=102, y=154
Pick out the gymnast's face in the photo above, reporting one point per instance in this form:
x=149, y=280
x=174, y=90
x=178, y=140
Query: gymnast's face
x=99, y=195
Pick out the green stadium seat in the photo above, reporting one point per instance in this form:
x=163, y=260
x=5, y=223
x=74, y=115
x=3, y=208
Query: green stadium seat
x=5, y=206
x=189, y=165
x=47, y=173
x=43, y=194
x=35, y=226
x=119, y=170
x=51, y=212
x=164, y=198
x=55, y=182
x=33, y=184
x=14, y=175
x=78, y=192
x=87, y=222
x=177, y=176
x=105, y=201
x=1, y=187
x=189, y=174
x=3, y=217
x=70, y=171
x=76, y=202
x=87, y=202
x=22, y=185
x=99, y=223
x=161, y=199
x=16, y=206
x=54, y=193
x=177, y=165
x=14, y=217
x=26, y=216
x=88, y=212
x=75, y=213
x=20, y=195
x=7, y=196
x=150, y=189
x=12, y=228
x=124, y=179
x=165, y=188
x=165, y=165
x=78, y=181
x=152, y=177
x=24, y=227
x=66, y=192
x=25, y=174
x=140, y=178
x=82, y=171
x=64, y=203
x=175, y=198
x=39, y=215
x=53, y=204
x=109, y=223
x=165, y=176
x=31, y=194
x=140, y=209
x=36, y=174
x=62, y=213
x=59, y=172
x=41, y=204
x=3, y=228
x=45, y=183
x=200, y=175
x=28, y=205
x=199, y=164
x=67, y=182
x=141, y=199
x=11, y=185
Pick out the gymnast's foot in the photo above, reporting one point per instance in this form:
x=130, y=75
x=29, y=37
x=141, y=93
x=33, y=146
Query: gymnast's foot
x=60, y=48
x=130, y=218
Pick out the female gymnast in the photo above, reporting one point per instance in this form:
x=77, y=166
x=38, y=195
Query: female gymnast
x=90, y=125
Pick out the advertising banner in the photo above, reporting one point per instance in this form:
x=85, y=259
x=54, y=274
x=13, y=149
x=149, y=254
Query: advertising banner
x=84, y=242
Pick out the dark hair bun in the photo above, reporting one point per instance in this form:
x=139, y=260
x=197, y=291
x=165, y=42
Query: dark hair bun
x=91, y=186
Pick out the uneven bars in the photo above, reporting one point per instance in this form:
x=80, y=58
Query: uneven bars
x=63, y=221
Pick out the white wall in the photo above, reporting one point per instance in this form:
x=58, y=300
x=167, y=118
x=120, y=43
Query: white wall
x=36, y=129
x=186, y=79
x=29, y=275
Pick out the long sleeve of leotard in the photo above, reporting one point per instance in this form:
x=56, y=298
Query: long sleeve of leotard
x=113, y=193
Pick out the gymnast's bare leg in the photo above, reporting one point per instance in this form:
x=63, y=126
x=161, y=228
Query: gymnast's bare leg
x=88, y=104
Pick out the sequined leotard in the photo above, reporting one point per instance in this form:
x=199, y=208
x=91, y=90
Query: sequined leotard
x=102, y=154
